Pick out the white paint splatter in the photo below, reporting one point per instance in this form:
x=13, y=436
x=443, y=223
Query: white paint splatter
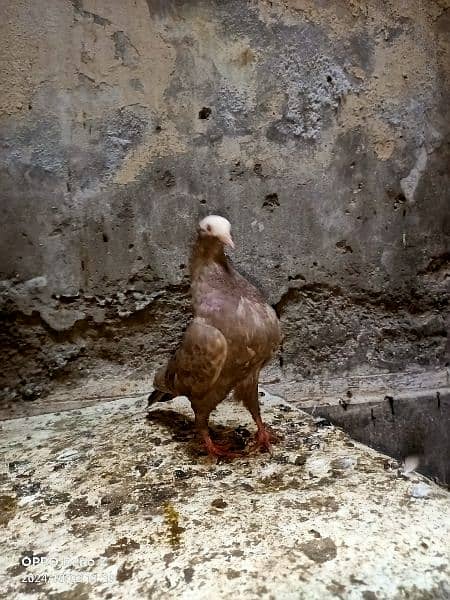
x=411, y=181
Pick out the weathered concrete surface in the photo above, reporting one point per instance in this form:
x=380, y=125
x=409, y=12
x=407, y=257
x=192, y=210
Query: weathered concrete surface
x=320, y=129
x=322, y=518
x=400, y=426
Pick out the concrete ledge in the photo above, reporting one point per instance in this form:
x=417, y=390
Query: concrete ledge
x=356, y=388
x=305, y=393
x=124, y=507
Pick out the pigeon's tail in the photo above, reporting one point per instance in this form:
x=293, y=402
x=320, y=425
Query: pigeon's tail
x=159, y=396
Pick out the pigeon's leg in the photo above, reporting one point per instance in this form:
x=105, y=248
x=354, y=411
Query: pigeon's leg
x=220, y=450
x=247, y=392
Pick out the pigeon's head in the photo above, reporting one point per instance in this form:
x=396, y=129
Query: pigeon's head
x=217, y=227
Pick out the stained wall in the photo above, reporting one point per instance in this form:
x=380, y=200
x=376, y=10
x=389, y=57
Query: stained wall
x=320, y=129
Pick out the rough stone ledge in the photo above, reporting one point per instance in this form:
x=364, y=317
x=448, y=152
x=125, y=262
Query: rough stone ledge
x=304, y=393
x=123, y=506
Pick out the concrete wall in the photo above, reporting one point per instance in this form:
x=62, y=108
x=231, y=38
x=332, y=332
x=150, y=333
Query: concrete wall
x=319, y=128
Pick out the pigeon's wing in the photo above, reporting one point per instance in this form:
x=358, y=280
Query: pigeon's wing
x=196, y=365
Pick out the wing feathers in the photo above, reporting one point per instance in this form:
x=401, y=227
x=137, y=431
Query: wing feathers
x=197, y=363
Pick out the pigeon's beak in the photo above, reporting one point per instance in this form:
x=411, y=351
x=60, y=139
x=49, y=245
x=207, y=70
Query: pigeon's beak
x=226, y=239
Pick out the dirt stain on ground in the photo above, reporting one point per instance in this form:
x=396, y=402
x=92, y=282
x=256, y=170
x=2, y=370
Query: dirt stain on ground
x=123, y=545
x=8, y=507
x=319, y=550
x=80, y=508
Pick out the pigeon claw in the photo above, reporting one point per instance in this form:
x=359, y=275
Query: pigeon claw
x=264, y=439
x=219, y=450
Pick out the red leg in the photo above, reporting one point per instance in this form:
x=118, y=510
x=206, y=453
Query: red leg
x=264, y=437
x=216, y=449
x=221, y=450
x=247, y=392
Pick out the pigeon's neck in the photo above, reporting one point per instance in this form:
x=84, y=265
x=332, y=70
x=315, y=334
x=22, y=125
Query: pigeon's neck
x=205, y=253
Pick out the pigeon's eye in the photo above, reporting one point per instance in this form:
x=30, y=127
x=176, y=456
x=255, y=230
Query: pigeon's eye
x=208, y=228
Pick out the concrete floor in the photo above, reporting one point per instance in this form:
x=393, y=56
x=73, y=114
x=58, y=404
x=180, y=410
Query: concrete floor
x=109, y=504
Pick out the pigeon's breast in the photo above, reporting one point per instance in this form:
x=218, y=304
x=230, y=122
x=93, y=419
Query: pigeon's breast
x=244, y=322
x=257, y=319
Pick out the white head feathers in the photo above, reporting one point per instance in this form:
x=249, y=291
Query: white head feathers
x=218, y=227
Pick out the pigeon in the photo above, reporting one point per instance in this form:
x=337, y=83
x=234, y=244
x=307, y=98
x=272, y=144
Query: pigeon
x=232, y=335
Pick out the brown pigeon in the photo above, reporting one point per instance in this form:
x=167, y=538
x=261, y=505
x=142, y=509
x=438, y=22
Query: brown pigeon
x=232, y=336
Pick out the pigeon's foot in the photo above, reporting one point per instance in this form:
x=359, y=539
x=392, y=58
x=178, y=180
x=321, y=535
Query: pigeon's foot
x=264, y=439
x=219, y=450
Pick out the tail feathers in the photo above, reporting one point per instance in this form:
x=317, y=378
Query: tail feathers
x=159, y=396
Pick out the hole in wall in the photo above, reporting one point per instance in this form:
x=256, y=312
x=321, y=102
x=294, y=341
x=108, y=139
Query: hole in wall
x=343, y=247
x=204, y=113
x=399, y=199
x=271, y=201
